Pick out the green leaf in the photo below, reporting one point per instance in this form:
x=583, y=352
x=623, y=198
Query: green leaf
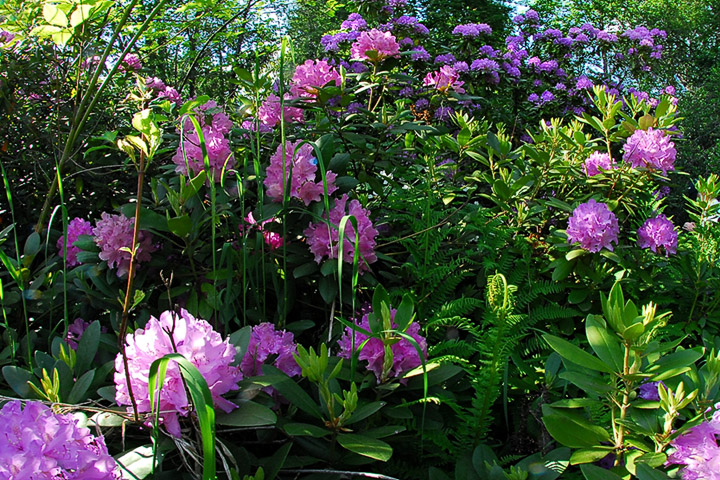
x=646, y=472
x=604, y=344
x=80, y=14
x=248, y=414
x=589, y=455
x=79, y=391
x=54, y=16
x=180, y=226
x=365, y=411
x=305, y=269
x=405, y=313
x=366, y=446
x=18, y=379
x=87, y=348
x=674, y=363
x=575, y=354
x=32, y=245
x=572, y=430
x=137, y=463
x=305, y=430
x=290, y=390
x=592, y=472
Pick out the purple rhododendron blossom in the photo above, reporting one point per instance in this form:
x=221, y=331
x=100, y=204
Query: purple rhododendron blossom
x=76, y=227
x=420, y=54
x=189, y=159
x=445, y=58
x=656, y=233
x=698, y=450
x=583, y=83
x=194, y=339
x=354, y=22
x=594, y=226
x=75, y=332
x=649, y=391
x=304, y=168
x=651, y=148
x=39, y=444
x=130, y=63
x=170, y=94
x=383, y=43
x=312, y=75
x=597, y=161
x=323, y=239
x=405, y=356
x=266, y=342
x=112, y=234
x=472, y=29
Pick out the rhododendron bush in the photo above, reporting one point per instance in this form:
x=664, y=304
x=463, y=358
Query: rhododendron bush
x=472, y=251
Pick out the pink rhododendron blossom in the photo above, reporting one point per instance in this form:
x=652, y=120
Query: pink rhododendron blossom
x=154, y=83
x=220, y=157
x=38, y=444
x=266, y=342
x=304, y=168
x=115, y=232
x=194, y=339
x=596, y=162
x=170, y=94
x=594, y=226
x=210, y=114
x=269, y=112
x=383, y=43
x=130, y=63
x=444, y=79
x=324, y=240
x=698, y=450
x=405, y=356
x=656, y=233
x=651, y=149
x=311, y=75
x=76, y=227
x=272, y=239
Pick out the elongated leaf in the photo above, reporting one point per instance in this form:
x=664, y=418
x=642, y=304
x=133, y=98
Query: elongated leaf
x=646, y=472
x=366, y=446
x=306, y=430
x=87, y=348
x=592, y=472
x=604, y=344
x=79, y=391
x=290, y=390
x=575, y=354
x=572, y=430
x=137, y=463
x=248, y=414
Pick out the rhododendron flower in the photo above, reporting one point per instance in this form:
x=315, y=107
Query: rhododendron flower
x=382, y=43
x=444, y=79
x=76, y=227
x=210, y=114
x=324, y=240
x=649, y=391
x=38, y=444
x=304, y=167
x=170, y=94
x=404, y=355
x=658, y=232
x=154, y=83
x=698, y=450
x=75, y=332
x=265, y=343
x=113, y=233
x=272, y=239
x=130, y=63
x=269, y=111
x=354, y=22
x=189, y=157
x=651, y=148
x=312, y=75
x=194, y=339
x=594, y=226
x=596, y=162
x=472, y=29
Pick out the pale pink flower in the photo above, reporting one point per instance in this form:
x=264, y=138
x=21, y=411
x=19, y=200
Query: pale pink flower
x=194, y=339
x=444, y=79
x=269, y=111
x=76, y=227
x=382, y=43
x=304, y=168
x=594, y=226
x=311, y=75
x=113, y=234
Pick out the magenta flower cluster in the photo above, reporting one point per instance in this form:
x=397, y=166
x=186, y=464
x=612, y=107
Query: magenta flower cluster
x=265, y=343
x=215, y=125
x=658, y=234
x=130, y=63
x=302, y=164
x=597, y=162
x=192, y=338
x=383, y=43
x=444, y=79
x=272, y=239
x=323, y=239
x=698, y=450
x=650, y=149
x=594, y=226
x=311, y=75
x=38, y=444
x=405, y=356
x=269, y=111
x=75, y=332
x=76, y=227
x=113, y=234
